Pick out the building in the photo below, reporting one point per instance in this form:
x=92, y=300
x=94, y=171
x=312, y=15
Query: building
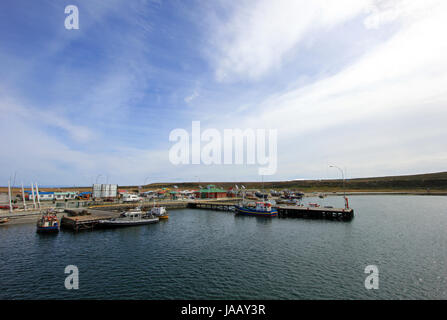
x=104, y=191
x=68, y=195
x=42, y=195
x=85, y=195
x=211, y=192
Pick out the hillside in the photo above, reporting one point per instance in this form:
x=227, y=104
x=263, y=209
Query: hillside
x=433, y=182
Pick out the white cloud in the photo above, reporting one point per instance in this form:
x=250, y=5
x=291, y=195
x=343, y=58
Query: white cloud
x=41, y=155
x=386, y=11
x=404, y=72
x=10, y=108
x=260, y=34
x=402, y=79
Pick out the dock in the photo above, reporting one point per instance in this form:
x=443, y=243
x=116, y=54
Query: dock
x=174, y=204
x=88, y=221
x=315, y=213
x=226, y=205
x=284, y=211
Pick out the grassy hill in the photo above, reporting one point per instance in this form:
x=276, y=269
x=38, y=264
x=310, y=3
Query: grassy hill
x=432, y=182
x=420, y=183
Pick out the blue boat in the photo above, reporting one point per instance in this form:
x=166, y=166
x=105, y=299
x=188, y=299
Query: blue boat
x=48, y=223
x=262, y=209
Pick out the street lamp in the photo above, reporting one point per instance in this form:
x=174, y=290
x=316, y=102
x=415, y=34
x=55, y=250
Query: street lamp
x=343, y=177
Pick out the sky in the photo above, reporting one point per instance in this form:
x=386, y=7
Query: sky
x=360, y=84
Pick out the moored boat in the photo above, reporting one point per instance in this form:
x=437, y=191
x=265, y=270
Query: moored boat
x=134, y=217
x=262, y=209
x=159, y=212
x=48, y=222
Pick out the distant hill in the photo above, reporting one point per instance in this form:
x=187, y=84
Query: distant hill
x=419, y=182
x=431, y=182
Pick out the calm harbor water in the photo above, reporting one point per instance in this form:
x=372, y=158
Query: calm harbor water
x=201, y=254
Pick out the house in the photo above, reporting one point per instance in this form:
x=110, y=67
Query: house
x=211, y=192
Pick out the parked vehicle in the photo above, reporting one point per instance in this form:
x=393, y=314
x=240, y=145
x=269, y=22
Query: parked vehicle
x=131, y=198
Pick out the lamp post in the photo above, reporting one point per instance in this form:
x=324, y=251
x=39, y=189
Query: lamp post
x=343, y=177
x=198, y=179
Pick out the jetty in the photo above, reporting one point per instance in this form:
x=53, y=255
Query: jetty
x=219, y=205
x=85, y=219
x=315, y=212
x=284, y=211
x=173, y=204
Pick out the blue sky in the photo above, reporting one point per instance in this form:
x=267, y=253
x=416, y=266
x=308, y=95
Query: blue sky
x=359, y=84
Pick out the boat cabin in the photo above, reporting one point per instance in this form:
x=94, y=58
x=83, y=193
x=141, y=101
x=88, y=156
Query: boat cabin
x=263, y=206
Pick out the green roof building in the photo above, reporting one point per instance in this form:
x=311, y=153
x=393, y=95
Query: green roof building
x=211, y=192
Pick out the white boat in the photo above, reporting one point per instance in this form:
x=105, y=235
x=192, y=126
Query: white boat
x=134, y=217
x=159, y=212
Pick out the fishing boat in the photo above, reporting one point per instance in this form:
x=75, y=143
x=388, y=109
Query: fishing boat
x=262, y=209
x=134, y=217
x=48, y=222
x=159, y=212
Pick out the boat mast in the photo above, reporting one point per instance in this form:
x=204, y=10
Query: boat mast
x=9, y=196
x=32, y=191
x=263, y=195
x=23, y=197
x=38, y=196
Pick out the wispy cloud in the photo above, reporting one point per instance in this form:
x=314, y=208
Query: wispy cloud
x=401, y=79
x=360, y=83
x=259, y=35
x=191, y=97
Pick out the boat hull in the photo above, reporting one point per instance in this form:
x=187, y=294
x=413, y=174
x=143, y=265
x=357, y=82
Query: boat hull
x=52, y=229
x=120, y=224
x=252, y=212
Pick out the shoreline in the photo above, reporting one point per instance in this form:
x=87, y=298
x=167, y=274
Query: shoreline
x=22, y=217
